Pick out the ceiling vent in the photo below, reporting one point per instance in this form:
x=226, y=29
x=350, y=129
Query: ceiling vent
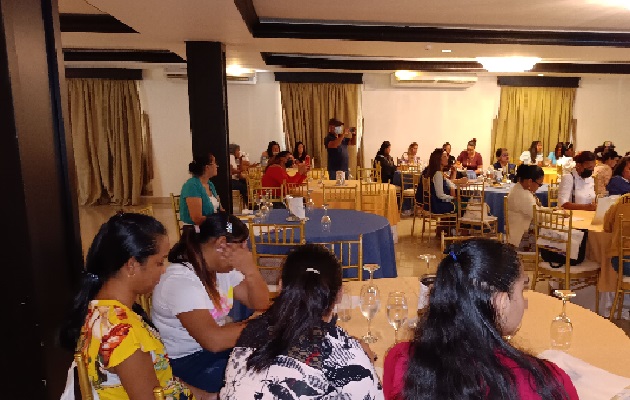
x=412, y=79
x=244, y=78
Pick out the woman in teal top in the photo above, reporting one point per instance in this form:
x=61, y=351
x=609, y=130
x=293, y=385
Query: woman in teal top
x=557, y=153
x=199, y=197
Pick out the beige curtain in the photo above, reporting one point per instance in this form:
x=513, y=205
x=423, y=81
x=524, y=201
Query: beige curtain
x=106, y=126
x=530, y=113
x=307, y=107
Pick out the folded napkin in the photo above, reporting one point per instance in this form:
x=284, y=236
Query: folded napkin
x=592, y=383
x=296, y=206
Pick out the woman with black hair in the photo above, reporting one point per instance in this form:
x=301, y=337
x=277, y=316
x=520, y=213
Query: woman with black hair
x=577, y=187
x=459, y=350
x=533, y=156
x=470, y=159
x=295, y=349
x=386, y=161
x=521, y=199
x=442, y=189
x=126, y=358
x=447, y=148
x=299, y=154
x=620, y=182
x=208, y=270
x=198, y=197
x=556, y=154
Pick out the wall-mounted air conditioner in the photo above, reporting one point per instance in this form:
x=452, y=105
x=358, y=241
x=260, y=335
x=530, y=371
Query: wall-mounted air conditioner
x=432, y=80
x=181, y=74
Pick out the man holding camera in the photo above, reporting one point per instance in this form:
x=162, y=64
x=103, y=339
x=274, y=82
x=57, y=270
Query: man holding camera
x=336, y=143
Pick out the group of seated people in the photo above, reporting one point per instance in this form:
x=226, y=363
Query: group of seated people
x=293, y=348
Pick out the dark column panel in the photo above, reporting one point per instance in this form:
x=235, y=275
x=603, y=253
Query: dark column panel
x=207, y=96
x=42, y=250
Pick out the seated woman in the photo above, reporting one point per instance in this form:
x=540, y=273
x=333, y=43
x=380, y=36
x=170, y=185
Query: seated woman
x=556, y=154
x=411, y=155
x=459, y=350
x=295, y=349
x=569, y=150
x=577, y=188
x=276, y=172
x=521, y=200
x=126, y=358
x=198, y=196
x=191, y=302
x=620, y=182
x=273, y=148
x=442, y=189
x=238, y=165
x=300, y=156
x=503, y=162
x=603, y=172
x=470, y=159
x=386, y=161
x=533, y=156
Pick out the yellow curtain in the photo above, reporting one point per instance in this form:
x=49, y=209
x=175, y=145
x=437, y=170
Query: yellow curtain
x=106, y=126
x=531, y=113
x=307, y=107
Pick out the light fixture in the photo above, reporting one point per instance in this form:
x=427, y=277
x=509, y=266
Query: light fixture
x=508, y=64
x=541, y=74
x=404, y=75
x=237, y=70
x=446, y=51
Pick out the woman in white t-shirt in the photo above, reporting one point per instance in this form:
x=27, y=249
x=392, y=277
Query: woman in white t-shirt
x=208, y=270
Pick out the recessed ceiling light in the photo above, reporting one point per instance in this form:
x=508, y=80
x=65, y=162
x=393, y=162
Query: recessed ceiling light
x=446, y=51
x=541, y=74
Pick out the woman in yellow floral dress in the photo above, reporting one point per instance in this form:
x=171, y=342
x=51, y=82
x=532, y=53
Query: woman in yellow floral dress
x=126, y=358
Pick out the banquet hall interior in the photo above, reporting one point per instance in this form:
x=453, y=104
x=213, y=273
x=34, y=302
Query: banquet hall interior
x=104, y=103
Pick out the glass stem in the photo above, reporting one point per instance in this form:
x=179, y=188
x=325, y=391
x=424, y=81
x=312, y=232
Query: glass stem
x=564, y=307
x=369, y=332
x=395, y=335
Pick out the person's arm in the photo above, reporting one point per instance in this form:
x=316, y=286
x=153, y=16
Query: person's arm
x=565, y=191
x=137, y=376
x=438, y=182
x=252, y=290
x=204, y=329
x=353, y=140
x=333, y=144
x=479, y=169
x=194, y=209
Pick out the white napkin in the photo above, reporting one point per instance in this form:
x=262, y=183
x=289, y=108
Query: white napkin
x=296, y=206
x=590, y=382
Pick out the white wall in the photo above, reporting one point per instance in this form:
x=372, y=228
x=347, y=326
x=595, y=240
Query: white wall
x=400, y=115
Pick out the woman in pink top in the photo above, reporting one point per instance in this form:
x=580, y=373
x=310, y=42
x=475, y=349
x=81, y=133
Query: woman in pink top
x=459, y=350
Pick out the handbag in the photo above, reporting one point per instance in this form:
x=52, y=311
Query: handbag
x=557, y=259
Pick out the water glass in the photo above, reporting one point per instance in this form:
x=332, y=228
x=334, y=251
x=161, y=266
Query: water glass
x=561, y=326
x=326, y=221
x=397, y=311
x=344, y=307
x=370, y=303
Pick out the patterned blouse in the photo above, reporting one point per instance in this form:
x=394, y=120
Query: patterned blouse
x=332, y=365
x=112, y=333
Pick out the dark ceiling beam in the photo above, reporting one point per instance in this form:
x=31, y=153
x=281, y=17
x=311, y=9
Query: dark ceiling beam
x=100, y=23
x=143, y=56
x=248, y=13
x=565, y=68
x=105, y=73
x=318, y=77
x=539, y=81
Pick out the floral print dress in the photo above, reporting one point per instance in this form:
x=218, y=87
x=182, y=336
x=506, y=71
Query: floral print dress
x=112, y=333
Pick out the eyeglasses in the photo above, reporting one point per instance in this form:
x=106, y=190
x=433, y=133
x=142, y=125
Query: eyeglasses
x=539, y=184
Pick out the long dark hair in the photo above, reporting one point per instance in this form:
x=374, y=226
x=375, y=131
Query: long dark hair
x=381, y=150
x=311, y=280
x=122, y=237
x=559, y=147
x=188, y=249
x=296, y=155
x=621, y=165
x=198, y=165
x=457, y=348
x=270, y=147
x=435, y=163
x=533, y=151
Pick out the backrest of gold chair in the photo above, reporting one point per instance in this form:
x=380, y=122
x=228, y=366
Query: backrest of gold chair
x=552, y=194
x=317, y=173
x=296, y=189
x=84, y=380
x=344, y=251
x=374, y=198
x=273, y=194
x=472, y=197
x=366, y=174
x=175, y=205
x=340, y=194
x=624, y=245
x=255, y=172
x=146, y=210
x=558, y=225
x=409, y=180
x=426, y=194
x=253, y=182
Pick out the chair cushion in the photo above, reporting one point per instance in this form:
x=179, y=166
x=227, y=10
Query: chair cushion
x=626, y=279
x=586, y=266
x=410, y=192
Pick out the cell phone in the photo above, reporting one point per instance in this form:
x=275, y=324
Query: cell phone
x=353, y=130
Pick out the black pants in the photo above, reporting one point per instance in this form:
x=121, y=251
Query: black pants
x=241, y=186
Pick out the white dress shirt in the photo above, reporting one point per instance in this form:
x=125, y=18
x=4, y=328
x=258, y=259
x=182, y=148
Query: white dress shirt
x=584, y=189
x=520, y=212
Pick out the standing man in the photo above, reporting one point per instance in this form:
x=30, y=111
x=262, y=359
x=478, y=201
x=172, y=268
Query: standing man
x=336, y=143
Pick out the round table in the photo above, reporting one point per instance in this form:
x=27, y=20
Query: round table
x=378, y=242
x=595, y=340
x=494, y=198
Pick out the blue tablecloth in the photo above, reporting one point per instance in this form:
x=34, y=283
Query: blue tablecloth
x=494, y=198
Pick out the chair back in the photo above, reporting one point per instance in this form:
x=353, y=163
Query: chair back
x=350, y=255
x=471, y=203
x=253, y=183
x=146, y=210
x=624, y=244
x=552, y=194
x=374, y=198
x=255, y=172
x=554, y=226
x=270, y=245
x=317, y=173
x=369, y=174
x=340, y=194
x=274, y=194
x=449, y=240
x=296, y=189
x=175, y=206
x=426, y=195
x=84, y=380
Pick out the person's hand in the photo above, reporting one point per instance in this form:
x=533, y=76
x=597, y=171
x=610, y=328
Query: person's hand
x=592, y=207
x=240, y=258
x=302, y=168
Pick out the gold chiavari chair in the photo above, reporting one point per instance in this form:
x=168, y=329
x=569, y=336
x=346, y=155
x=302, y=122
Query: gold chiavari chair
x=296, y=189
x=366, y=174
x=270, y=245
x=409, y=185
x=253, y=183
x=552, y=194
x=237, y=202
x=175, y=205
x=528, y=258
x=444, y=221
x=340, y=194
x=317, y=173
x=475, y=216
x=623, y=281
x=274, y=194
x=374, y=198
x=553, y=230
x=255, y=172
x=350, y=255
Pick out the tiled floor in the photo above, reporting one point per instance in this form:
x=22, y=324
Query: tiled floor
x=408, y=248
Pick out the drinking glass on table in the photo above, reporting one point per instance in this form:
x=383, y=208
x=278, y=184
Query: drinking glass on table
x=561, y=326
x=397, y=311
x=344, y=307
x=326, y=221
x=370, y=303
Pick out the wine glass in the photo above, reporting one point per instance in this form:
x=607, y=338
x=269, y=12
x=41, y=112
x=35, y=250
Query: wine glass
x=310, y=204
x=326, y=221
x=397, y=311
x=371, y=268
x=344, y=307
x=561, y=326
x=427, y=258
x=369, y=302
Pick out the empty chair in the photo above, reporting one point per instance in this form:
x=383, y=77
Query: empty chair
x=342, y=196
x=623, y=279
x=374, y=198
x=350, y=256
x=475, y=213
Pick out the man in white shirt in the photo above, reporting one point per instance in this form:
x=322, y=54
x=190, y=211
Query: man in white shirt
x=577, y=188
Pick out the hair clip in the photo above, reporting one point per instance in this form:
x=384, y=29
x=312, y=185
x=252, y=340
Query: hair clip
x=228, y=227
x=92, y=277
x=313, y=270
x=452, y=254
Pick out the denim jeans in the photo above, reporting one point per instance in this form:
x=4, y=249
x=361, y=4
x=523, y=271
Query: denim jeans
x=615, y=264
x=203, y=369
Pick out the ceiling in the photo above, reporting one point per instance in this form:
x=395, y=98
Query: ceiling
x=559, y=31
